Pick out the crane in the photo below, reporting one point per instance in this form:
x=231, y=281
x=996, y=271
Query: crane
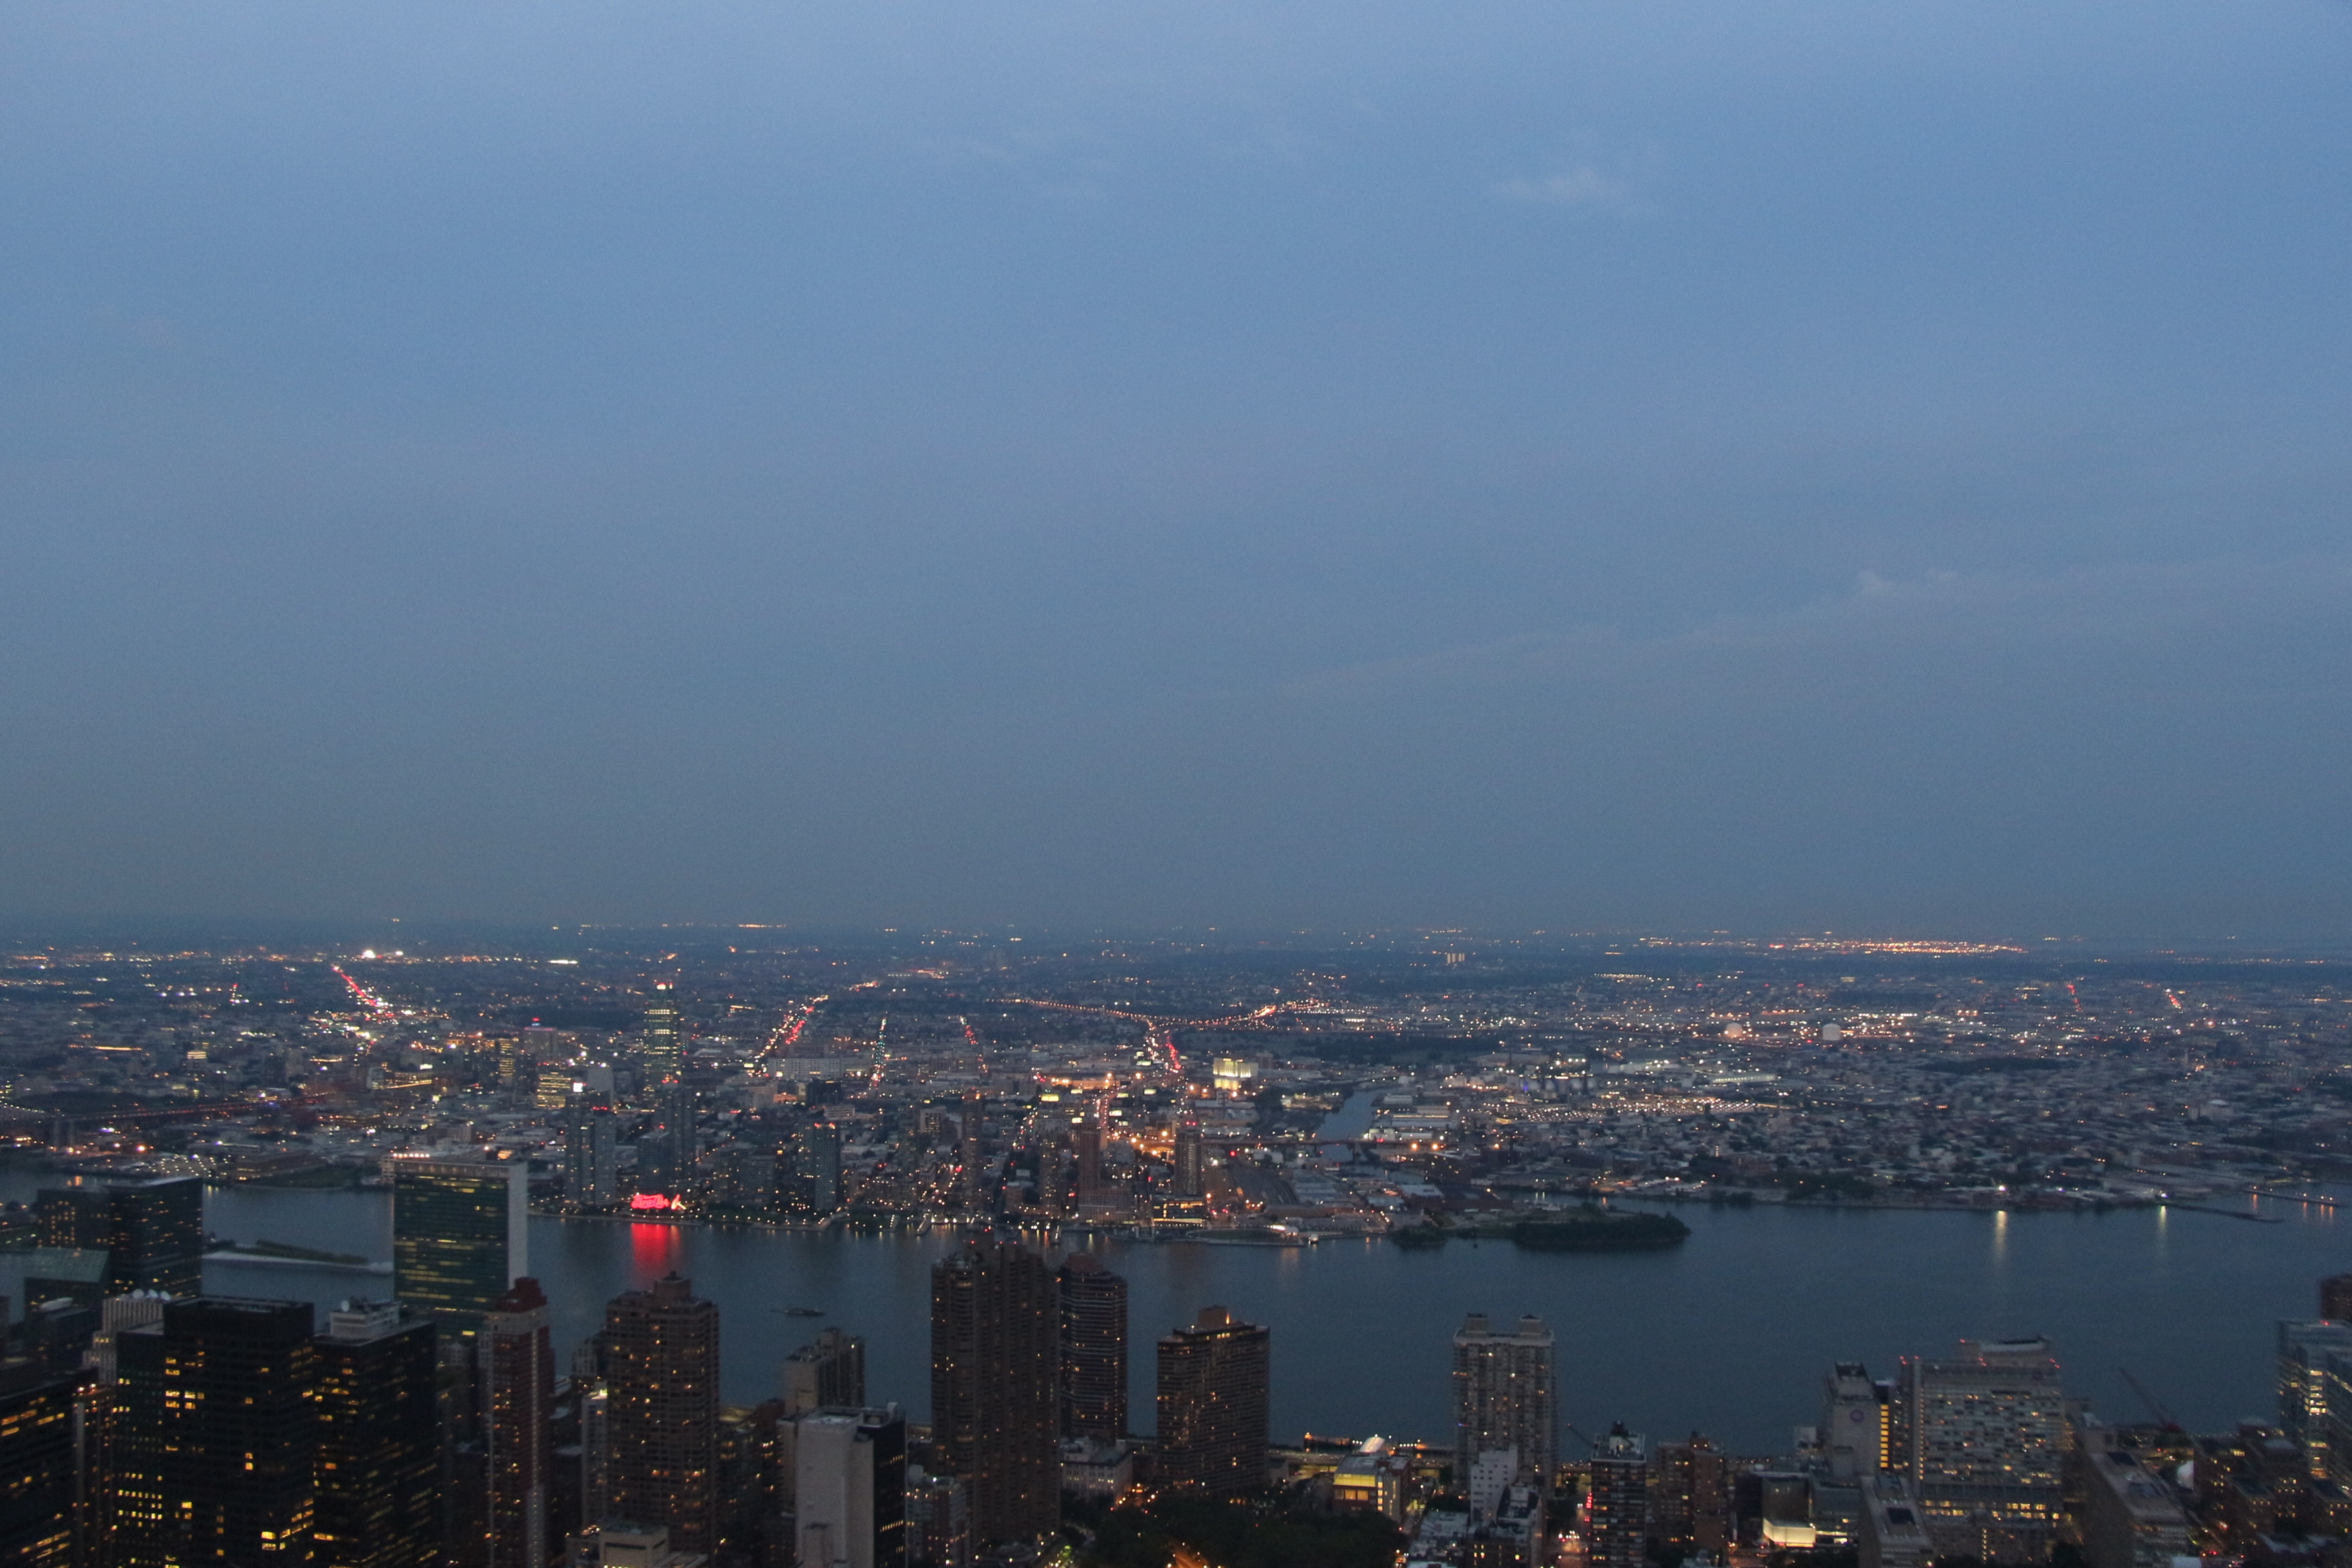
x=2155, y=1407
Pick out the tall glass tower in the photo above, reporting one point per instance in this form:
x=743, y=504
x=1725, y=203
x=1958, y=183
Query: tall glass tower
x=459, y=1235
x=662, y=1052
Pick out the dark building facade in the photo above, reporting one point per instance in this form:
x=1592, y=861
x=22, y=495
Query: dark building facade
x=1618, y=1524
x=152, y=1232
x=1190, y=1167
x=1505, y=1395
x=1690, y=1497
x=1093, y=1193
x=660, y=1352
x=816, y=1168
x=826, y=1374
x=458, y=1230
x=2335, y=1298
x=667, y=1151
x=518, y=1377
x=591, y=1153
x=37, y=1473
x=995, y=1404
x=378, y=1465
x=1094, y=1350
x=1213, y=1403
x=214, y=1444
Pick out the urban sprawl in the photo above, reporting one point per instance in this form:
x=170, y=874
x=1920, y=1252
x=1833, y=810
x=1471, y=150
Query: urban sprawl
x=1031, y=1092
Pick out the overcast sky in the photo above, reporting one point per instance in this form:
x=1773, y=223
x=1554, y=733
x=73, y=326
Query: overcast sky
x=1787, y=466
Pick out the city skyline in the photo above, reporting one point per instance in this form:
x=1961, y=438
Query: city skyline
x=1191, y=785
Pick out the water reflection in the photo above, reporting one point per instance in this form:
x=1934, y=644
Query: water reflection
x=1727, y=1334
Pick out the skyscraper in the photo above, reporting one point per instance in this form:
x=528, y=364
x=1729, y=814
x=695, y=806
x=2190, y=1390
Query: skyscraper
x=827, y=1374
x=1214, y=1382
x=2335, y=1298
x=37, y=1474
x=995, y=1408
x=1190, y=1167
x=1690, y=1496
x=850, y=1490
x=667, y=1151
x=460, y=1234
x=1987, y=1433
x=1504, y=1396
x=379, y=1466
x=1855, y=1428
x=152, y=1233
x=1617, y=1532
x=817, y=1166
x=1094, y=1350
x=662, y=1051
x=661, y=1415
x=590, y=1154
x=517, y=1378
x=1094, y=1185
x=214, y=1447
x=2307, y=1393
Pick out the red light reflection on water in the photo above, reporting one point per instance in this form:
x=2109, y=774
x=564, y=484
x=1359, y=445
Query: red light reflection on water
x=654, y=1249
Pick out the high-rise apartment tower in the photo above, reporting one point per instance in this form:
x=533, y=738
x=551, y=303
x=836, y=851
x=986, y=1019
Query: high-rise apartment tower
x=1094, y=1350
x=995, y=1402
x=661, y=1052
x=661, y=1413
x=518, y=1380
x=1214, y=1385
x=1504, y=1393
x=1617, y=1528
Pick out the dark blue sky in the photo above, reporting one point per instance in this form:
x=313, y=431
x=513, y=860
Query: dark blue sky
x=1550, y=464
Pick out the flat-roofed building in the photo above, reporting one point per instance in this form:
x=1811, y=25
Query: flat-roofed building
x=850, y=1490
x=1370, y=1480
x=1215, y=1393
x=460, y=1233
x=1504, y=1396
x=37, y=1473
x=1892, y=1531
x=214, y=1441
x=1988, y=1444
x=1093, y=1303
x=379, y=1439
x=2130, y=1519
x=2306, y=1393
x=661, y=1414
x=826, y=1374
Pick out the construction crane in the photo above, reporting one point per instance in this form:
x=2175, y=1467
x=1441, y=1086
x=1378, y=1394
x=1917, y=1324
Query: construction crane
x=2155, y=1407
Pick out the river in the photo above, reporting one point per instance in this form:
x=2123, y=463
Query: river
x=1729, y=1333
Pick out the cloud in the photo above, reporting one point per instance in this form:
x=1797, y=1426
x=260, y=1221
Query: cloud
x=2125, y=611
x=1582, y=186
